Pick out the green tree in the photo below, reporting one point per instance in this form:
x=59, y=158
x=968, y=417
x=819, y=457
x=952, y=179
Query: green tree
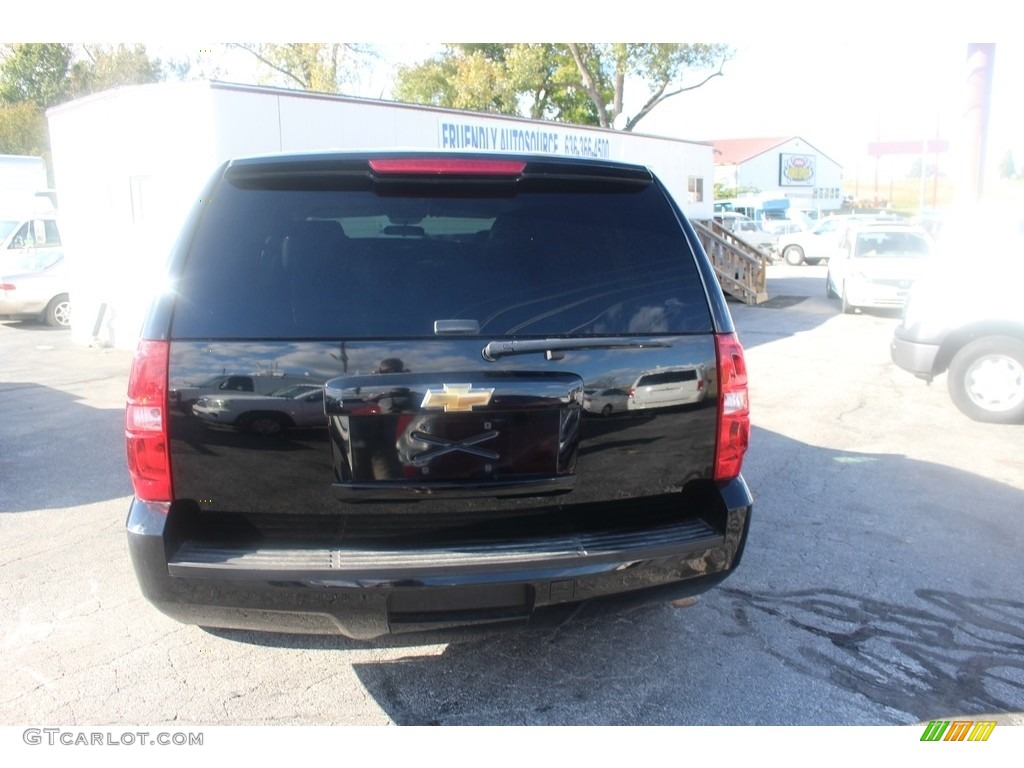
x=36, y=73
x=469, y=79
x=506, y=79
x=573, y=82
x=311, y=66
x=111, y=66
x=23, y=129
x=46, y=74
x=723, y=192
x=37, y=76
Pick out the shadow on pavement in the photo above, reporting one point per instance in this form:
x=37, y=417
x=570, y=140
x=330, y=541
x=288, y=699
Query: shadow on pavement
x=57, y=452
x=880, y=615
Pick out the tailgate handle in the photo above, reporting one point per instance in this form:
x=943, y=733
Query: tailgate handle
x=456, y=327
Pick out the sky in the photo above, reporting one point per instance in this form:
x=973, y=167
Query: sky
x=838, y=100
x=837, y=75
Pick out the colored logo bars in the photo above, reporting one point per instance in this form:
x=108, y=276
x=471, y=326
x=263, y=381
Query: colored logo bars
x=958, y=730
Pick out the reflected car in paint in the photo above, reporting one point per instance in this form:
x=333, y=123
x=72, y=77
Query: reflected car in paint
x=300, y=406
x=667, y=388
x=605, y=401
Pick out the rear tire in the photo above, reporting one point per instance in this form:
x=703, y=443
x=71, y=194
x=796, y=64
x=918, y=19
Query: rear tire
x=58, y=312
x=829, y=290
x=986, y=380
x=607, y=410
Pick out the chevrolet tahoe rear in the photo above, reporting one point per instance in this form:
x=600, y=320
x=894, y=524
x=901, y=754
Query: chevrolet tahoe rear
x=454, y=308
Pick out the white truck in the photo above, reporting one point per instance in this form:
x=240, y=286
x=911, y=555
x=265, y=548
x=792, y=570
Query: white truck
x=21, y=176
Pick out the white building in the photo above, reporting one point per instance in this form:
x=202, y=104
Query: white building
x=780, y=168
x=129, y=164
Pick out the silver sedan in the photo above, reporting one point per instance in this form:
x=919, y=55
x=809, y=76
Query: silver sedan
x=36, y=285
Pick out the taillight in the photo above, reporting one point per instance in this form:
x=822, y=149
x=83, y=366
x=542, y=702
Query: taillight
x=447, y=166
x=733, y=407
x=7, y=286
x=146, y=423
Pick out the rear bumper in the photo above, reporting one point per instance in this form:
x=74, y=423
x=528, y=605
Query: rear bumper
x=21, y=307
x=367, y=593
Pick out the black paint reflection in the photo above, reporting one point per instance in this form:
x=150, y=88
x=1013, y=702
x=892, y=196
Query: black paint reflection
x=373, y=426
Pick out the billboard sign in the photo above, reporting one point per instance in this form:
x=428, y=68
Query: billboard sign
x=796, y=170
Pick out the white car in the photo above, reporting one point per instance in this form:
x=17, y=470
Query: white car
x=35, y=284
x=300, y=406
x=819, y=243
x=875, y=265
x=185, y=395
x=605, y=401
x=667, y=387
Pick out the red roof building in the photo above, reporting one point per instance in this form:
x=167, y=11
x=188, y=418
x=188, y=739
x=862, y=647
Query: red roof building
x=779, y=166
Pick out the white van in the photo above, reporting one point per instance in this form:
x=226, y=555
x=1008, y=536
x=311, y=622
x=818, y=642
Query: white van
x=666, y=387
x=21, y=234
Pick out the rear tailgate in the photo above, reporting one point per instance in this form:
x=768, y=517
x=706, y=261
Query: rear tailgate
x=464, y=433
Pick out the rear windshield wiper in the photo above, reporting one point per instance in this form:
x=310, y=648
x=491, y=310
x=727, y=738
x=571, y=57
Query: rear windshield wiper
x=554, y=349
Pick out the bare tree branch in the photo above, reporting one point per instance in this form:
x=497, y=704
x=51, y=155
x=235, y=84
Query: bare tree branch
x=660, y=96
x=272, y=65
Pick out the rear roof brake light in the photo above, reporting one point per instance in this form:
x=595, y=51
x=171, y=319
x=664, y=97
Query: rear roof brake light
x=447, y=166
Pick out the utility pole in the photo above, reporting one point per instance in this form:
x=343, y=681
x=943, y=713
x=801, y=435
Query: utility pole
x=980, y=60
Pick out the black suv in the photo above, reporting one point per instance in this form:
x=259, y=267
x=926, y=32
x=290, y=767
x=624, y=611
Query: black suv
x=454, y=308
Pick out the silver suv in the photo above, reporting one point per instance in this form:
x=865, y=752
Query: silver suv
x=965, y=318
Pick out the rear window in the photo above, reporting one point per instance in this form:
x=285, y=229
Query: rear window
x=300, y=263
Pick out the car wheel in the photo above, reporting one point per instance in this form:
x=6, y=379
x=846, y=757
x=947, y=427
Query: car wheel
x=848, y=308
x=813, y=262
x=986, y=380
x=830, y=292
x=58, y=312
x=266, y=424
x=607, y=410
x=794, y=255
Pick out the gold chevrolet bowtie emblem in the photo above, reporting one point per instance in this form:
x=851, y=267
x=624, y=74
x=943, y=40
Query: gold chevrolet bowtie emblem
x=456, y=397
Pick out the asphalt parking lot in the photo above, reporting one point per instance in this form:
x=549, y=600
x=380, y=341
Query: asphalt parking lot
x=881, y=584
